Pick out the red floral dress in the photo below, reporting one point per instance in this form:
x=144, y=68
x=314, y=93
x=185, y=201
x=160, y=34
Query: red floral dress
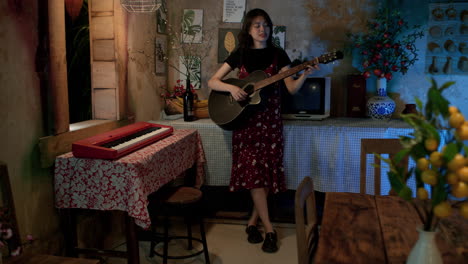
x=257, y=147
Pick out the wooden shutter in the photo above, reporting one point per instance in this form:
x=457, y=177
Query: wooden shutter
x=108, y=59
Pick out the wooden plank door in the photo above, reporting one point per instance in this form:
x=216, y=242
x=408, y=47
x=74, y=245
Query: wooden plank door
x=108, y=59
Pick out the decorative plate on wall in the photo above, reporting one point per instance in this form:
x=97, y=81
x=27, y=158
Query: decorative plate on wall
x=447, y=39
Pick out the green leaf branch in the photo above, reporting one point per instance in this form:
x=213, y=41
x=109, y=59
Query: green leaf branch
x=444, y=173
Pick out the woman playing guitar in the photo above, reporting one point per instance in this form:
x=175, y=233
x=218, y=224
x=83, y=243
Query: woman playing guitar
x=257, y=144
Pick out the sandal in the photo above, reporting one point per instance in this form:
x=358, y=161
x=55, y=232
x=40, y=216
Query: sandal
x=254, y=236
x=269, y=245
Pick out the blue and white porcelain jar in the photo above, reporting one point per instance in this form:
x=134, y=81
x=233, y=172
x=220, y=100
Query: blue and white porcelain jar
x=381, y=107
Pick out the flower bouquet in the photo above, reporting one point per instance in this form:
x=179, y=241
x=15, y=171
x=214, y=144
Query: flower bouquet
x=384, y=49
x=443, y=170
x=8, y=239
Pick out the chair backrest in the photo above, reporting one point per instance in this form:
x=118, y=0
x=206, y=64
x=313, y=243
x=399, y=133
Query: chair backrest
x=390, y=146
x=306, y=221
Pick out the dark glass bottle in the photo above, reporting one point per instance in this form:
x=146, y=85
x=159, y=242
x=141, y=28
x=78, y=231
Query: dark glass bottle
x=188, y=103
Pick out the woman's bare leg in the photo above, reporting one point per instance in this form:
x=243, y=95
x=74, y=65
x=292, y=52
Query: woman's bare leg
x=259, y=197
x=253, y=218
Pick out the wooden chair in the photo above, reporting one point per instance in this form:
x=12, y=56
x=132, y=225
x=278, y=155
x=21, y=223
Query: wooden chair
x=390, y=146
x=6, y=203
x=306, y=221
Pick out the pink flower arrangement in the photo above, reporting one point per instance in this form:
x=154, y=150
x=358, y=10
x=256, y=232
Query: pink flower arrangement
x=382, y=50
x=7, y=238
x=177, y=91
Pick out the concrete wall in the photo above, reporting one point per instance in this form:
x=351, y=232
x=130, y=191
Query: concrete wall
x=143, y=84
x=316, y=27
x=312, y=28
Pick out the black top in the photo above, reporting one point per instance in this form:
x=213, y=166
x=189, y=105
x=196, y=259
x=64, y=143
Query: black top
x=258, y=59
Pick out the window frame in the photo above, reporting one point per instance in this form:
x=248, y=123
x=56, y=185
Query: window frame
x=64, y=133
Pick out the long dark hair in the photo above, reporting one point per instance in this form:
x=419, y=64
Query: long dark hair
x=245, y=40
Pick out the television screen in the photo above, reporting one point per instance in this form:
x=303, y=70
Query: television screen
x=311, y=102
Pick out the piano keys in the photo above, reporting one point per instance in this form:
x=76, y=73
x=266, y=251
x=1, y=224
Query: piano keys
x=121, y=141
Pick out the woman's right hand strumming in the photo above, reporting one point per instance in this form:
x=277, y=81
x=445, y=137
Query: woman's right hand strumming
x=237, y=93
x=216, y=83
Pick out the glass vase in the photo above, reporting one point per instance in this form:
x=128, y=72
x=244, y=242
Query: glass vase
x=381, y=107
x=425, y=251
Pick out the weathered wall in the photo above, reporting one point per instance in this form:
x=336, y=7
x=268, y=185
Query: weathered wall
x=314, y=28
x=21, y=122
x=416, y=82
x=144, y=100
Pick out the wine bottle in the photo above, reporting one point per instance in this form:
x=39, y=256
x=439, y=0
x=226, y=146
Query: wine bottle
x=188, y=103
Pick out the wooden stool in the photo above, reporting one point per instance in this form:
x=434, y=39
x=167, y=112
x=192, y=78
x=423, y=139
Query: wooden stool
x=179, y=201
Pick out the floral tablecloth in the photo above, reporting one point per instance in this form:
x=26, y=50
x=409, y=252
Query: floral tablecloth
x=124, y=184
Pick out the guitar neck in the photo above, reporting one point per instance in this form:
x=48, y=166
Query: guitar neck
x=282, y=75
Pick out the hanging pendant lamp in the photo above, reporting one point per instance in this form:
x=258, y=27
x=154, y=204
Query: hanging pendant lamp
x=73, y=8
x=141, y=6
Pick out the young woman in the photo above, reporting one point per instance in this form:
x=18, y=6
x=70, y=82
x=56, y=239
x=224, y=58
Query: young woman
x=257, y=146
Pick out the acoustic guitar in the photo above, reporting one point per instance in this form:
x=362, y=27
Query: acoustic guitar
x=228, y=113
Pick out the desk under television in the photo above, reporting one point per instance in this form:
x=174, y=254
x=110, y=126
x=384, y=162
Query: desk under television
x=326, y=150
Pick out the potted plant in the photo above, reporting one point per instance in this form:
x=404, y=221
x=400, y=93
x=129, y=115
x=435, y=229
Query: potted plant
x=383, y=50
x=441, y=169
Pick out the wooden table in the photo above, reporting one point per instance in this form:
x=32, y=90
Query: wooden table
x=360, y=228
x=124, y=184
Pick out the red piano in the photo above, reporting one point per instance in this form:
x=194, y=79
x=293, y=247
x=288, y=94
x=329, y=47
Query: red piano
x=121, y=141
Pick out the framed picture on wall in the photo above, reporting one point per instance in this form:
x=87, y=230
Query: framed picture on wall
x=192, y=25
x=160, y=56
x=161, y=18
x=279, y=36
x=194, y=62
x=227, y=42
x=233, y=11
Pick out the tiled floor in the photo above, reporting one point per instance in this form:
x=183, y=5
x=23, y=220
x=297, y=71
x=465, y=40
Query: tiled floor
x=227, y=244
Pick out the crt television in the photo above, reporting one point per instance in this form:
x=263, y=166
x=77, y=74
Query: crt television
x=311, y=102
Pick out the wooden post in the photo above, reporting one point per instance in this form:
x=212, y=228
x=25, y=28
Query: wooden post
x=69, y=225
x=133, y=253
x=58, y=66
x=120, y=28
